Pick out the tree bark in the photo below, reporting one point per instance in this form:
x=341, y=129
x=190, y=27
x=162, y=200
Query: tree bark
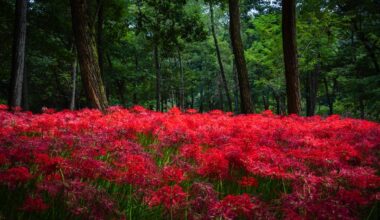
x=158, y=77
x=290, y=56
x=87, y=54
x=99, y=34
x=311, y=90
x=238, y=50
x=18, y=54
x=182, y=83
x=265, y=102
x=25, y=90
x=236, y=88
x=328, y=97
x=222, y=73
x=74, y=83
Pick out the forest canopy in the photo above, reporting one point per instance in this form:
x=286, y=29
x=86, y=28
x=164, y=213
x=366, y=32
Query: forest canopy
x=160, y=54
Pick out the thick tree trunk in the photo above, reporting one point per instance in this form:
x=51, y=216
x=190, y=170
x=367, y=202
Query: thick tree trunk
x=18, y=54
x=74, y=83
x=290, y=56
x=182, y=82
x=158, y=77
x=222, y=73
x=238, y=50
x=312, y=89
x=87, y=54
x=99, y=34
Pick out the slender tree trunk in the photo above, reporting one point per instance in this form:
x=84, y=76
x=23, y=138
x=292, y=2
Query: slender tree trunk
x=87, y=54
x=74, y=83
x=158, y=77
x=192, y=98
x=221, y=100
x=238, y=50
x=25, y=90
x=290, y=56
x=328, y=97
x=182, y=83
x=201, y=100
x=312, y=89
x=236, y=88
x=362, y=108
x=222, y=73
x=265, y=103
x=18, y=54
x=135, y=99
x=278, y=103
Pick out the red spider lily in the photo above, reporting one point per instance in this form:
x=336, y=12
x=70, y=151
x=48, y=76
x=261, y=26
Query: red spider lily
x=214, y=164
x=248, y=182
x=15, y=175
x=172, y=174
x=34, y=204
x=233, y=206
x=326, y=168
x=171, y=197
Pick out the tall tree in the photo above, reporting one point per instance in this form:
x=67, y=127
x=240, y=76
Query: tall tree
x=220, y=62
x=18, y=56
x=238, y=50
x=87, y=54
x=290, y=56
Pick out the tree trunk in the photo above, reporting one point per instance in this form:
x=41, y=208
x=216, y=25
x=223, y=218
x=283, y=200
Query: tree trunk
x=265, y=102
x=100, y=36
x=278, y=103
x=236, y=88
x=328, y=97
x=87, y=54
x=158, y=77
x=220, y=92
x=238, y=50
x=182, y=83
x=312, y=89
x=137, y=68
x=18, y=54
x=201, y=100
x=361, y=108
x=290, y=56
x=222, y=73
x=74, y=83
x=25, y=90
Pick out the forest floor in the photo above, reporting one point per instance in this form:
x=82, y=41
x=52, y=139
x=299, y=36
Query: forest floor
x=139, y=164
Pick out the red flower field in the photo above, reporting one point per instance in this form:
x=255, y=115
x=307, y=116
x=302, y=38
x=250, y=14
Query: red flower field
x=139, y=164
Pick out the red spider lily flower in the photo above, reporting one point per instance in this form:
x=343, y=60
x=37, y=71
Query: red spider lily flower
x=172, y=174
x=214, y=164
x=233, y=206
x=171, y=197
x=3, y=159
x=15, y=175
x=247, y=181
x=34, y=204
x=191, y=111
